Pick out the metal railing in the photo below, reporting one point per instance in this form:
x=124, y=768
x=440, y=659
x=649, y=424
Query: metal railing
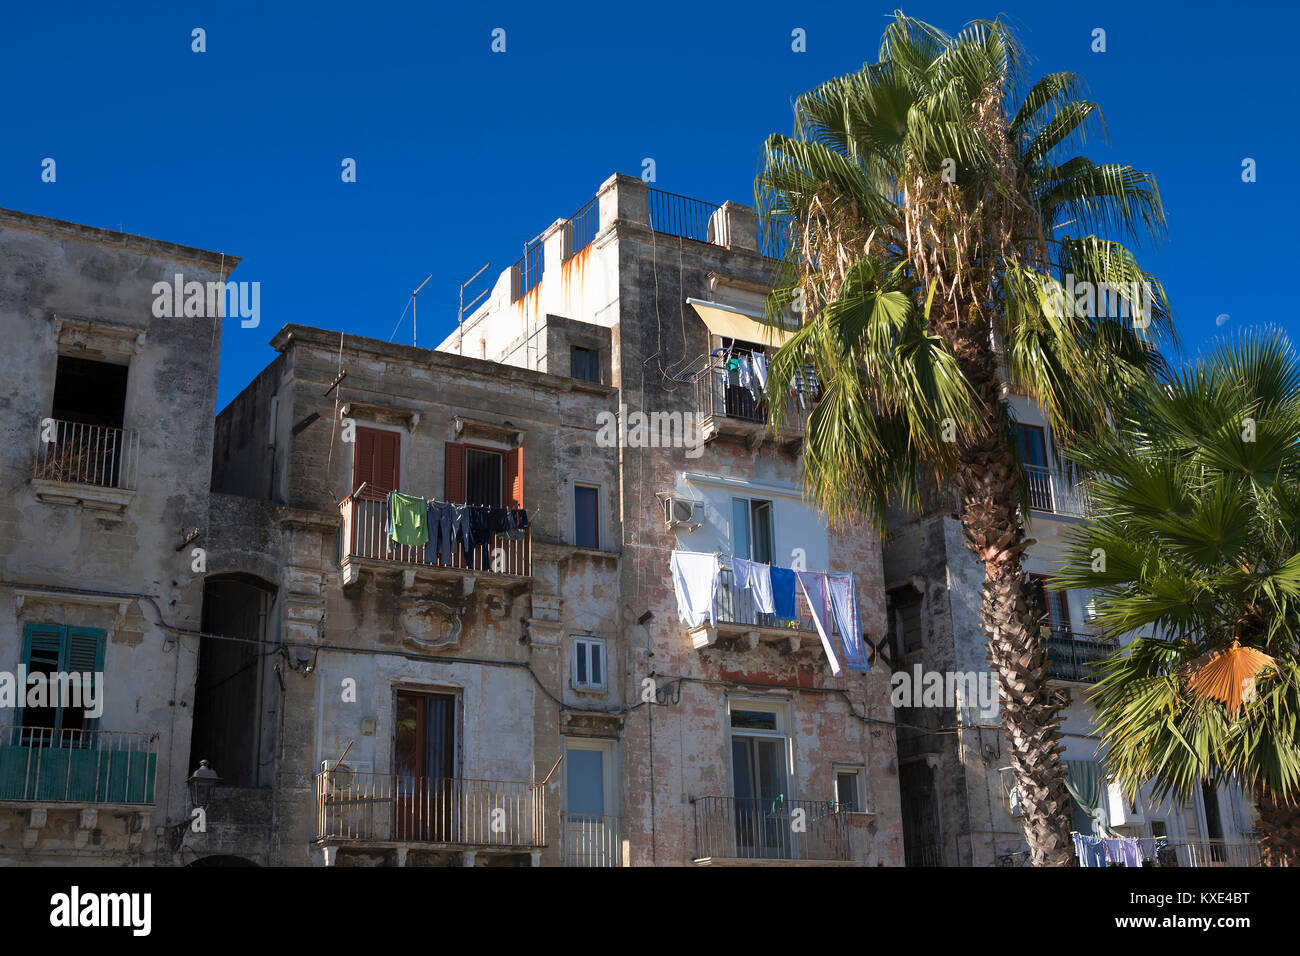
x=1049, y=492
x=926, y=854
x=586, y=223
x=391, y=807
x=682, y=216
x=1070, y=656
x=591, y=839
x=77, y=766
x=364, y=534
x=735, y=605
x=719, y=394
x=1200, y=853
x=755, y=829
x=81, y=454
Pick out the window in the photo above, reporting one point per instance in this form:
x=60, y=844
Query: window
x=86, y=443
x=905, y=604
x=376, y=462
x=849, y=789
x=751, y=529
x=759, y=758
x=1031, y=444
x=588, y=663
x=482, y=477
x=89, y=392
x=590, y=821
x=51, y=650
x=1054, y=605
x=584, y=364
x=586, y=516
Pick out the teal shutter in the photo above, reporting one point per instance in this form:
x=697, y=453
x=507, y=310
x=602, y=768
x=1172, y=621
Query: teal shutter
x=83, y=653
x=42, y=651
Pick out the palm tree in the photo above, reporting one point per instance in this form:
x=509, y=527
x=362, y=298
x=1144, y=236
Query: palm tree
x=933, y=223
x=1196, y=545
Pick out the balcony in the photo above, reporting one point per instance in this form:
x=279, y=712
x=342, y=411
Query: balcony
x=388, y=809
x=754, y=832
x=1050, y=493
x=724, y=407
x=1210, y=853
x=364, y=542
x=42, y=765
x=736, y=615
x=91, y=465
x=592, y=839
x=1070, y=656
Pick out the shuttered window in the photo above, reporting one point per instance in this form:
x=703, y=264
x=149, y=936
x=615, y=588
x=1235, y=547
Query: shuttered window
x=49, y=649
x=377, y=462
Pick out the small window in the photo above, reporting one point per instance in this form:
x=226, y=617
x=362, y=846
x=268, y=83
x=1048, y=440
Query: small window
x=584, y=364
x=848, y=789
x=586, y=517
x=751, y=529
x=753, y=720
x=589, y=663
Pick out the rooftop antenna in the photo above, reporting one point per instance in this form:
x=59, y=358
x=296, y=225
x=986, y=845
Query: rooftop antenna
x=460, y=317
x=414, y=326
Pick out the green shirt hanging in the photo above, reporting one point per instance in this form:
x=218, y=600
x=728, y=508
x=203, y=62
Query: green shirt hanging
x=408, y=521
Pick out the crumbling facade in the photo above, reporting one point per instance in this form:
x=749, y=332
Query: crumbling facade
x=107, y=444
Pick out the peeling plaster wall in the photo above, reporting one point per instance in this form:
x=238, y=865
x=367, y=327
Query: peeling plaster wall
x=88, y=292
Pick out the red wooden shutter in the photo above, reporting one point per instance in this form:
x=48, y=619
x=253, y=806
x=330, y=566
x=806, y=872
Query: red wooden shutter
x=514, y=478
x=377, y=462
x=454, y=483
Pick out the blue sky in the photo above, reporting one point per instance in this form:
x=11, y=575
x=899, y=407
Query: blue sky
x=463, y=154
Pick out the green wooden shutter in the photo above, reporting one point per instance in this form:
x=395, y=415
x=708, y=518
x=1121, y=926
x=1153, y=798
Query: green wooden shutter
x=43, y=651
x=84, y=653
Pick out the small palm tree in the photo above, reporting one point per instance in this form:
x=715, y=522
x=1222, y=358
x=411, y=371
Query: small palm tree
x=935, y=224
x=1196, y=547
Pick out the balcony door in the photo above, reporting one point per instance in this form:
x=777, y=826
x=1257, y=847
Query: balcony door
x=1031, y=443
x=424, y=765
x=760, y=786
x=591, y=833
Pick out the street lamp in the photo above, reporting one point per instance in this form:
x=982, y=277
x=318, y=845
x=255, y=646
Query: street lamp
x=201, y=783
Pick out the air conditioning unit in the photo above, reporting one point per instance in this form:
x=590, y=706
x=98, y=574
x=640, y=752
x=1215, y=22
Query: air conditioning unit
x=679, y=513
x=1121, y=809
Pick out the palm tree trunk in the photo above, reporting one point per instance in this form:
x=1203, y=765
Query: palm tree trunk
x=987, y=483
x=1280, y=822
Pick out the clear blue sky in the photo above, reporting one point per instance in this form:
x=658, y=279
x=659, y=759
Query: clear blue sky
x=463, y=154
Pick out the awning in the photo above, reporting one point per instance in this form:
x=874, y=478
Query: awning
x=733, y=322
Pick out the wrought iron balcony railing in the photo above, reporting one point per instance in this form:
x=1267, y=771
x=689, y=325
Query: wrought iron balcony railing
x=80, y=454
x=47, y=765
x=592, y=839
x=364, y=534
x=720, y=398
x=755, y=829
x=1049, y=492
x=735, y=605
x=1070, y=656
x=391, y=807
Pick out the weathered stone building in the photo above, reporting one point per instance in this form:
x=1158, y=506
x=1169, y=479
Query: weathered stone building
x=107, y=425
x=440, y=685
x=372, y=703
x=645, y=291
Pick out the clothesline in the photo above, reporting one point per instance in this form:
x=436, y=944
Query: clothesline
x=695, y=580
